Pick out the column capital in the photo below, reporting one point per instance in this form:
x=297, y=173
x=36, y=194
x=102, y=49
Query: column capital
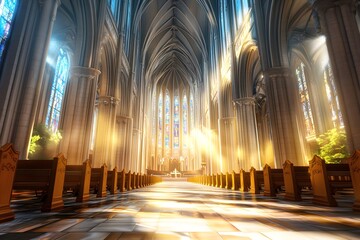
x=245, y=101
x=277, y=72
x=323, y=5
x=108, y=100
x=86, y=72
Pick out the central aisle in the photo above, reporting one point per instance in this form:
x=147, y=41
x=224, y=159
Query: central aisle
x=181, y=210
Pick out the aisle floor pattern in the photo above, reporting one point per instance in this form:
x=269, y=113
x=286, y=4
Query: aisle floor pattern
x=182, y=210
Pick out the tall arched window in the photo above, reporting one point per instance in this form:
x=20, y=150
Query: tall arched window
x=167, y=119
x=176, y=120
x=185, y=120
x=305, y=100
x=58, y=90
x=7, y=10
x=332, y=97
x=192, y=114
x=160, y=117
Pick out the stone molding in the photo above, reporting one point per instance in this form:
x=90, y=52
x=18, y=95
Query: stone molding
x=108, y=100
x=78, y=71
x=245, y=101
x=323, y=5
x=276, y=72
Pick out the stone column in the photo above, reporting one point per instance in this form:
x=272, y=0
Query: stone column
x=106, y=136
x=338, y=22
x=283, y=111
x=123, y=149
x=248, y=133
x=228, y=144
x=79, y=114
x=34, y=77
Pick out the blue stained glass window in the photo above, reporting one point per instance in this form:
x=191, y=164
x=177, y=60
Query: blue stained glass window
x=112, y=5
x=176, y=121
x=7, y=10
x=58, y=90
x=305, y=100
x=185, y=120
x=160, y=119
x=167, y=120
x=192, y=114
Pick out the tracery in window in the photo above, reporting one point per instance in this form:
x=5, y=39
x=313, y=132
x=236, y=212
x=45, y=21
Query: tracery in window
x=332, y=97
x=58, y=90
x=160, y=122
x=112, y=6
x=192, y=114
x=7, y=10
x=305, y=100
x=185, y=120
x=167, y=120
x=176, y=121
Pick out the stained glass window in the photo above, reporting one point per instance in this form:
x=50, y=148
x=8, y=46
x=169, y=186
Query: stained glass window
x=112, y=5
x=58, y=90
x=333, y=99
x=305, y=100
x=192, y=114
x=167, y=119
x=7, y=10
x=160, y=119
x=185, y=120
x=176, y=121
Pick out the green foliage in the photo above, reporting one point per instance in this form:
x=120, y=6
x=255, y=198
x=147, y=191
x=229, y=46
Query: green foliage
x=332, y=145
x=43, y=142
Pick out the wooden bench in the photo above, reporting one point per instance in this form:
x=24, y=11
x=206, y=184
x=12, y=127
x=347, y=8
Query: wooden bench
x=273, y=180
x=128, y=181
x=121, y=181
x=77, y=179
x=43, y=175
x=112, y=181
x=133, y=180
x=256, y=180
x=295, y=179
x=326, y=179
x=98, y=180
x=209, y=180
x=218, y=184
x=138, y=184
x=244, y=181
x=222, y=180
x=8, y=160
x=354, y=164
x=228, y=181
x=235, y=181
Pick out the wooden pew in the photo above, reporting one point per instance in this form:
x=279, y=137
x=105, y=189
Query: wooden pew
x=218, y=180
x=244, y=181
x=354, y=164
x=133, y=180
x=8, y=160
x=45, y=175
x=295, y=179
x=128, y=181
x=77, y=178
x=213, y=180
x=138, y=184
x=121, y=181
x=326, y=179
x=209, y=181
x=256, y=180
x=235, y=181
x=273, y=180
x=229, y=182
x=98, y=180
x=222, y=180
x=112, y=181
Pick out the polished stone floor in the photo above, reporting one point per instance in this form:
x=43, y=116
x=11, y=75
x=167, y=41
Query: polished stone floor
x=181, y=210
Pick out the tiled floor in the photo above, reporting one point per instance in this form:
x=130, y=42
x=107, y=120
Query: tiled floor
x=181, y=210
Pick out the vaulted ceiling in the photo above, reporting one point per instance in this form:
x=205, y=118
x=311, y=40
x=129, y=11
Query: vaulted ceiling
x=175, y=36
